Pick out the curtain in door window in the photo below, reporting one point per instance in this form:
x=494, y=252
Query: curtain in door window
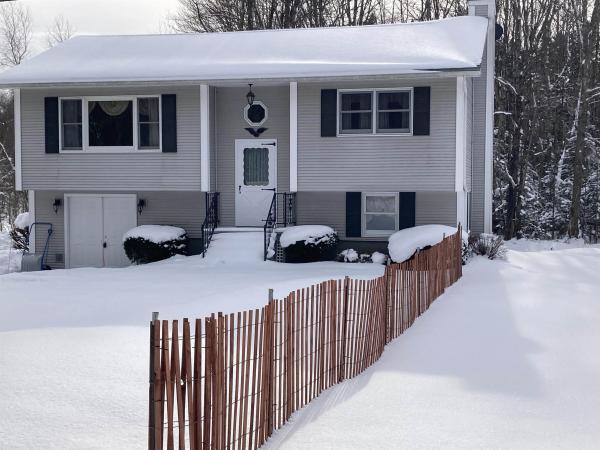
x=256, y=166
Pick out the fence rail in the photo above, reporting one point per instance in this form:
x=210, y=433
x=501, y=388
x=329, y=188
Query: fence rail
x=229, y=381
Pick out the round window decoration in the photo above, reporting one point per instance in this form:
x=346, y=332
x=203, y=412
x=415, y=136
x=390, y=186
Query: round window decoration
x=255, y=114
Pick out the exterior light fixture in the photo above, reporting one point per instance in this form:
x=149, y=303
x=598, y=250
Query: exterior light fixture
x=250, y=96
x=56, y=205
x=141, y=204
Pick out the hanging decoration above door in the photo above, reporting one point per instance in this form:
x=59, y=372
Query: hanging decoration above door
x=255, y=114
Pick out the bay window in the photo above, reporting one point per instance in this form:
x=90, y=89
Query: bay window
x=123, y=123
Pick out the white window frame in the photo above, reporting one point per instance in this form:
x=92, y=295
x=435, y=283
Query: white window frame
x=374, y=111
x=87, y=148
x=363, y=215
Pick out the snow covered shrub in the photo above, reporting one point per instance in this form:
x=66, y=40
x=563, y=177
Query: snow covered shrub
x=488, y=245
x=20, y=232
x=309, y=243
x=379, y=258
x=151, y=243
x=348, y=256
x=466, y=252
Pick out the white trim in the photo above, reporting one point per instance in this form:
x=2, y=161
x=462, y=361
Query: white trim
x=17, y=124
x=293, y=136
x=264, y=119
x=31, y=204
x=461, y=210
x=363, y=213
x=374, y=111
x=204, y=138
x=66, y=217
x=489, y=118
x=86, y=148
x=461, y=135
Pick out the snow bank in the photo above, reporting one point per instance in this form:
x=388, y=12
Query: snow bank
x=310, y=234
x=10, y=259
x=404, y=243
x=155, y=233
x=23, y=221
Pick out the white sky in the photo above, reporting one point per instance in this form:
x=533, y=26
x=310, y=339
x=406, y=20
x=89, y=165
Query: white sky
x=99, y=16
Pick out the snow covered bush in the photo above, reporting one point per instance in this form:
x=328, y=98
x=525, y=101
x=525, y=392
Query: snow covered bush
x=309, y=243
x=488, y=245
x=151, y=243
x=379, y=258
x=403, y=244
x=348, y=256
x=19, y=234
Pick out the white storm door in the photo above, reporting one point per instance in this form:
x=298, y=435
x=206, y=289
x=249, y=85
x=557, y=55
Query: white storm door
x=85, y=231
x=255, y=180
x=119, y=217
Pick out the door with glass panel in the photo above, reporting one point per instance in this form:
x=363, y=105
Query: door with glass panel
x=255, y=180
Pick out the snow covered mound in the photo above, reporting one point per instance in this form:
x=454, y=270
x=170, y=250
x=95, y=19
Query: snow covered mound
x=404, y=243
x=155, y=233
x=310, y=234
x=23, y=221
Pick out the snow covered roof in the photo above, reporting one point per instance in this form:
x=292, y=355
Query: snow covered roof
x=449, y=44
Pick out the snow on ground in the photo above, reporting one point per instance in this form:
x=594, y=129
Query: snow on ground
x=404, y=243
x=155, y=233
x=507, y=358
x=74, y=343
x=536, y=245
x=10, y=259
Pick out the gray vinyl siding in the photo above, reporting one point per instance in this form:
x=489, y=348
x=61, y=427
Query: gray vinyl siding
x=230, y=103
x=329, y=208
x=468, y=156
x=478, y=144
x=182, y=209
x=435, y=208
x=113, y=171
x=378, y=163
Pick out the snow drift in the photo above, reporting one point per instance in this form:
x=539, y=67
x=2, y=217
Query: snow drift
x=404, y=243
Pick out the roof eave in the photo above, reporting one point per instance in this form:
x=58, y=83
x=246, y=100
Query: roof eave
x=427, y=73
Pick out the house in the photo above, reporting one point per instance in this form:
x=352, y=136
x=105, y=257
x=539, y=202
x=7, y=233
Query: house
x=371, y=128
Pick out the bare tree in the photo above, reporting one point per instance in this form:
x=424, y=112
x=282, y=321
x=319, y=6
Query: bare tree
x=60, y=31
x=15, y=33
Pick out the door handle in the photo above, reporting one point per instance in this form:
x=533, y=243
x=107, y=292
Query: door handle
x=104, y=245
x=240, y=188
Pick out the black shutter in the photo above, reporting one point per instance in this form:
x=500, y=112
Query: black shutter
x=421, y=114
x=406, y=216
x=169, y=123
x=328, y=112
x=51, y=124
x=353, y=214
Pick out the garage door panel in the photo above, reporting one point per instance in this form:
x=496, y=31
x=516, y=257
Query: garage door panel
x=119, y=217
x=85, y=232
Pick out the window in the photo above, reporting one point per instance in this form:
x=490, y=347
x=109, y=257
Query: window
x=393, y=112
x=380, y=214
x=125, y=123
x=356, y=112
x=256, y=166
x=255, y=114
x=71, y=119
x=110, y=123
x=149, y=122
x=375, y=111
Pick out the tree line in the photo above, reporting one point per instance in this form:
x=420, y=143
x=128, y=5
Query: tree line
x=547, y=85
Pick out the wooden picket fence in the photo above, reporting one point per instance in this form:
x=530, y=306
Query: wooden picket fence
x=229, y=381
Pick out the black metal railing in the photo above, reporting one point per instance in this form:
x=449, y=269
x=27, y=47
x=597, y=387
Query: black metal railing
x=211, y=220
x=282, y=213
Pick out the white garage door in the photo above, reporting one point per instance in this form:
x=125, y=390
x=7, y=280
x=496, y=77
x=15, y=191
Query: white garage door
x=95, y=225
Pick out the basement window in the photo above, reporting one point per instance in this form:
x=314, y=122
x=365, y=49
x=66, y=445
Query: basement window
x=380, y=214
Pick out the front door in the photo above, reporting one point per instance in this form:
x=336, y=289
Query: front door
x=95, y=228
x=255, y=180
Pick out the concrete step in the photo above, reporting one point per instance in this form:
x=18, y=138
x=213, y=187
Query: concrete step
x=238, y=230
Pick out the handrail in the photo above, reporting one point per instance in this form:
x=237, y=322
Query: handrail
x=282, y=213
x=211, y=220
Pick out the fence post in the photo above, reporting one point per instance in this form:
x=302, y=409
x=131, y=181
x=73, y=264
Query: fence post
x=344, y=327
x=388, y=313
x=270, y=404
x=152, y=379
